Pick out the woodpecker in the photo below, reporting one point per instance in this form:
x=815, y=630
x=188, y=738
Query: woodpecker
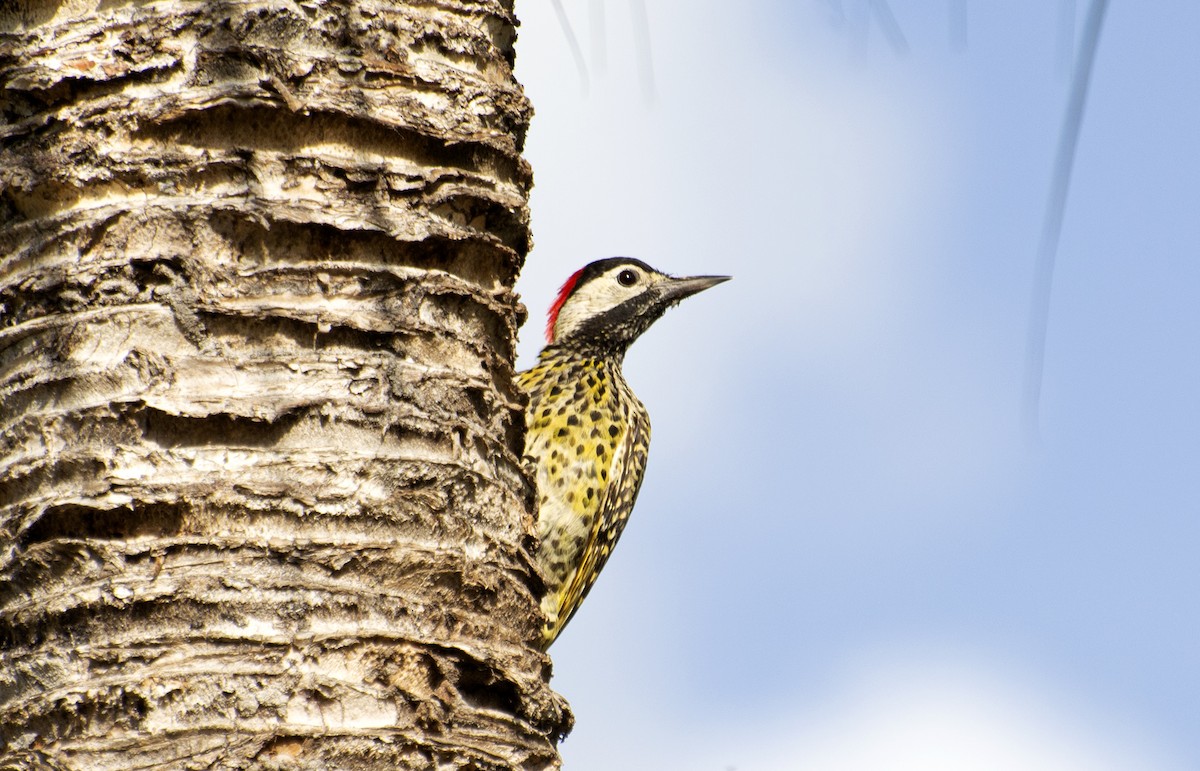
x=587, y=434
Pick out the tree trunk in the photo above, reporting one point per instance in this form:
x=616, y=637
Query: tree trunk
x=261, y=502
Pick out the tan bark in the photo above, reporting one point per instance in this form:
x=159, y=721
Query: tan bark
x=261, y=503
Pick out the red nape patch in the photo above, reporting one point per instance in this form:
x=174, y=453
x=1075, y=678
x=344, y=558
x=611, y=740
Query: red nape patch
x=563, y=293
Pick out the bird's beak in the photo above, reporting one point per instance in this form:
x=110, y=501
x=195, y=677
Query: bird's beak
x=676, y=289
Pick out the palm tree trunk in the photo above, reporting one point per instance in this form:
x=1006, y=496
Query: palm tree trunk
x=261, y=502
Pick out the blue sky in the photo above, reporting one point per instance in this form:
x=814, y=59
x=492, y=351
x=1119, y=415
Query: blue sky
x=847, y=553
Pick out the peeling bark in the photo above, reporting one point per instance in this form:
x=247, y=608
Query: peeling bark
x=261, y=501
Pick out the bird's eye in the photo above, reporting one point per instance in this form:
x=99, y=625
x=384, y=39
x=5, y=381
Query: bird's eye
x=627, y=277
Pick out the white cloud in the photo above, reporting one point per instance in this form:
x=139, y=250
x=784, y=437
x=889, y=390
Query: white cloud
x=922, y=715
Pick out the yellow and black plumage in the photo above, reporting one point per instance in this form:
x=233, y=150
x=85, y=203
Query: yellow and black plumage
x=587, y=434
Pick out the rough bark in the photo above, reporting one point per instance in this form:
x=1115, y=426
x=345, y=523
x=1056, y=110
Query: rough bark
x=261, y=503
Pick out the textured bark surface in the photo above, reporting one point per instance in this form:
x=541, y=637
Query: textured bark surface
x=261, y=503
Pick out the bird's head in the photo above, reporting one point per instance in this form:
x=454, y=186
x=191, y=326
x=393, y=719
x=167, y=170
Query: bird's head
x=609, y=303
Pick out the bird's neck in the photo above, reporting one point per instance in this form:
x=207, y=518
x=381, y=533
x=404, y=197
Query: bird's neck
x=611, y=354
